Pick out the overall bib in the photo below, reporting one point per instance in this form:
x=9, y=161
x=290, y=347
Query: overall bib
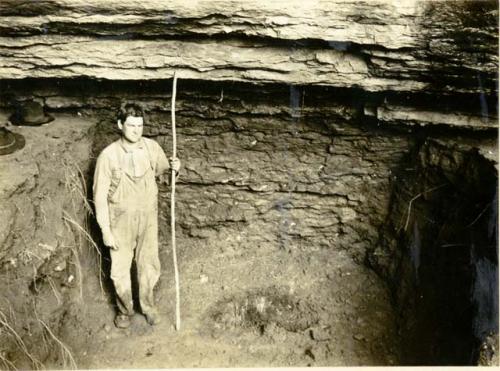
x=133, y=211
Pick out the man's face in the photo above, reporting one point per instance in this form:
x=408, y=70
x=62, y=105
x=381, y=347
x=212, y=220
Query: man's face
x=132, y=128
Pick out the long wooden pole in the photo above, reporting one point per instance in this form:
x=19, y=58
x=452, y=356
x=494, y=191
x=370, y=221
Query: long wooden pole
x=172, y=210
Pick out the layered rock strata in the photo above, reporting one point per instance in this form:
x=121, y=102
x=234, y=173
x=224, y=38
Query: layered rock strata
x=414, y=46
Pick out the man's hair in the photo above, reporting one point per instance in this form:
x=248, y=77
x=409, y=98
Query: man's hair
x=130, y=109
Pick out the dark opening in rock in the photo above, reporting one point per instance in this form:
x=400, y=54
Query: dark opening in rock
x=443, y=229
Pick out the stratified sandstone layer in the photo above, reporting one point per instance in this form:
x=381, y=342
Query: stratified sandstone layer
x=445, y=50
x=374, y=45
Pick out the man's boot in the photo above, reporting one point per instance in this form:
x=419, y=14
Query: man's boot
x=153, y=317
x=122, y=320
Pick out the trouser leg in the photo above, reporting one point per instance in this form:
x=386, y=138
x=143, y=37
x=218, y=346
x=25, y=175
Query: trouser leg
x=147, y=260
x=121, y=263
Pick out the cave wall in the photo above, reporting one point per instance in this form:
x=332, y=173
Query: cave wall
x=305, y=172
x=302, y=175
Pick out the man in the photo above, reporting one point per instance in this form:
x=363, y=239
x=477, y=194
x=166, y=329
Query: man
x=125, y=196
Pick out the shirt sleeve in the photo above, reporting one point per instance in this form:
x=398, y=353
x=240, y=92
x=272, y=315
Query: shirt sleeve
x=102, y=182
x=162, y=164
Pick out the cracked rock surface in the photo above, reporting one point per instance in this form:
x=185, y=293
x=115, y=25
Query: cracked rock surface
x=375, y=45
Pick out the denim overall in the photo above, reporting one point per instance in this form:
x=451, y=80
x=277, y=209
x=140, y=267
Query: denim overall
x=133, y=212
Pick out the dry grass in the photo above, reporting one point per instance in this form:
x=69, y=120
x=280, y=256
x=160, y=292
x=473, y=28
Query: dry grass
x=79, y=269
x=20, y=343
x=408, y=212
x=6, y=363
x=54, y=290
x=66, y=355
x=75, y=184
x=71, y=221
x=480, y=215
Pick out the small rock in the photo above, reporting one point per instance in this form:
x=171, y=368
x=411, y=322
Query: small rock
x=107, y=328
x=203, y=278
x=60, y=267
x=320, y=334
x=359, y=337
x=46, y=246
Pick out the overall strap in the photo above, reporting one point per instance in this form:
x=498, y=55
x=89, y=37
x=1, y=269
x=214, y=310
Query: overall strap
x=119, y=159
x=151, y=162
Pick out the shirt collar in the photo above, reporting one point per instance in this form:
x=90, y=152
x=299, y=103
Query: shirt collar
x=129, y=150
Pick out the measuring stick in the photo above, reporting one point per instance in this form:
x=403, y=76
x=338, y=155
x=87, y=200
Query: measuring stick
x=172, y=211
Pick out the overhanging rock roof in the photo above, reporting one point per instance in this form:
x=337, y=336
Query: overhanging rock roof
x=375, y=45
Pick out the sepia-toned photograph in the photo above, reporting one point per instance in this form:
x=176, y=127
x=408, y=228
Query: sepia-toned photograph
x=229, y=184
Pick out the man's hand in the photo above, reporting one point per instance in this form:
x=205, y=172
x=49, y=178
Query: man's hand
x=175, y=164
x=109, y=240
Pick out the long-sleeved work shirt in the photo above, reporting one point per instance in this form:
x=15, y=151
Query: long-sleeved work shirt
x=116, y=161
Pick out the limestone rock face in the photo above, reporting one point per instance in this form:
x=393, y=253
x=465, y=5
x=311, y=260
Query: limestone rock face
x=397, y=52
x=56, y=56
x=374, y=45
x=363, y=22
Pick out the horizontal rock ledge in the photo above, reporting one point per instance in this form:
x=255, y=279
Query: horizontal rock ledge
x=242, y=101
x=386, y=23
x=409, y=45
x=60, y=57
x=408, y=115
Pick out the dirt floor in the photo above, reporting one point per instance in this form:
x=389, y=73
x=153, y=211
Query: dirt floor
x=241, y=305
x=239, y=309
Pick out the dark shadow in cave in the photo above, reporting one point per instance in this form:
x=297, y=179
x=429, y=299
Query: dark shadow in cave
x=444, y=225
